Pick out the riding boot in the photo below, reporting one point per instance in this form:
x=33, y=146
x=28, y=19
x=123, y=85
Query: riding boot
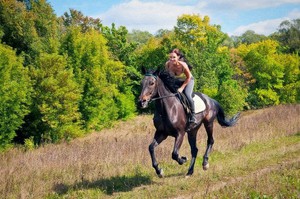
x=192, y=121
x=192, y=117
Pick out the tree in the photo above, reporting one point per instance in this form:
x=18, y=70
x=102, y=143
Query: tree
x=289, y=36
x=290, y=92
x=162, y=32
x=232, y=96
x=15, y=88
x=18, y=26
x=54, y=113
x=103, y=81
x=46, y=26
x=30, y=27
x=118, y=44
x=261, y=59
x=250, y=37
x=77, y=19
x=139, y=37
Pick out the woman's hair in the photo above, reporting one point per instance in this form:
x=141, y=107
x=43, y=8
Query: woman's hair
x=177, y=52
x=181, y=57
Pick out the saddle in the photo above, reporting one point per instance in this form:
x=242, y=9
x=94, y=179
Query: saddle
x=198, y=103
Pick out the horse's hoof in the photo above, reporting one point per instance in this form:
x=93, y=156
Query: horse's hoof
x=182, y=160
x=189, y=175
x=206, y=166
x=161, y=174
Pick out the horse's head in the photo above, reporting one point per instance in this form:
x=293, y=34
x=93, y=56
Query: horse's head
x=149, y=87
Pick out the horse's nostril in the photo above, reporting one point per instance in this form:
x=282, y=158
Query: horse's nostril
x=141, y=102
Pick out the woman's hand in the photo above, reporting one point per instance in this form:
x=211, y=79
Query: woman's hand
x=180, y=90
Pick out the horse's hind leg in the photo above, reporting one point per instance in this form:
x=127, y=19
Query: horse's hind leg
x=210, y=142
x=177, y=145
x=192, y=137
x=158, y=138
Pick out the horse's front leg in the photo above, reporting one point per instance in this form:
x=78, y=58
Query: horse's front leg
x=177, y=145
x=158, y=138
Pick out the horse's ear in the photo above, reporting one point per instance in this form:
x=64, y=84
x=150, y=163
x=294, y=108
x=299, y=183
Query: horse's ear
x=157, y=71
x=144, y=71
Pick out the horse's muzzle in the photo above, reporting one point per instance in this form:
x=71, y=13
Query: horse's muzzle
x=143, y=103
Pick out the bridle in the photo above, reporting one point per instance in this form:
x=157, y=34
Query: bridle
x=161, y=97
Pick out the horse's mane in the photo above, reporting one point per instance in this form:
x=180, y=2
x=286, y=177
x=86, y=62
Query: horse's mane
x=169, y=81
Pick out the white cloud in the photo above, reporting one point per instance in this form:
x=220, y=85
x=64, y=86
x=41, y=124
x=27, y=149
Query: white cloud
x=268, y=26
x=246, y=5
x=150, y=16
x=263, y=27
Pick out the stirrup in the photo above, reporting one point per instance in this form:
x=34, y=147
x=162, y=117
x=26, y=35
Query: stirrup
x=192, y=118
x=190, y=126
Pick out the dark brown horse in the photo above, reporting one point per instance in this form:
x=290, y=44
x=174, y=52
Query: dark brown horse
x=170, y=119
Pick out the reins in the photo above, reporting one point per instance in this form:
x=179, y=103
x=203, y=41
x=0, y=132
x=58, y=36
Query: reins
x=166, y=96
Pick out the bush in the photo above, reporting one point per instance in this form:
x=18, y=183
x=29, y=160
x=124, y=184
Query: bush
x=14, y=94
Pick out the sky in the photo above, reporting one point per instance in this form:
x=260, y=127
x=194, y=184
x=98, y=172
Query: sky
x=234, y=16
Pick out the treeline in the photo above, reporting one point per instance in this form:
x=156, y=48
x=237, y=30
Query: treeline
x=63, y=77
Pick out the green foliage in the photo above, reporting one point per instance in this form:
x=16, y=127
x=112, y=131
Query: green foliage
x=46, y=26
x=139, y=37
x=152, y=55
x=232, y=97
x=248, y=37
x=55, y=101
x=102, y=80
x=288, y=36
x=270, y=71
x=29, y=27
x=29, y=143
x=267, y=97
x=17, y=25
x=15, y=90
x=290, y=92
x=117, y=43
x=77, y=19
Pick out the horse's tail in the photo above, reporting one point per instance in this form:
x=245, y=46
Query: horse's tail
x=221, y=117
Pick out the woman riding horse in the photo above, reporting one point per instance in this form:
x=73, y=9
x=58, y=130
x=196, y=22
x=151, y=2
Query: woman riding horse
x=170, y=120
x=180, y=70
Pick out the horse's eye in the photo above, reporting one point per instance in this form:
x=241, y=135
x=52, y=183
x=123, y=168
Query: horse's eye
x=151, y=83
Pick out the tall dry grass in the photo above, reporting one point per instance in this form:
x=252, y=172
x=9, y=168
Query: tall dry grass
x=103, y=159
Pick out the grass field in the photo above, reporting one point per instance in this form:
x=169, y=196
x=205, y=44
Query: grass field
x=257, y=158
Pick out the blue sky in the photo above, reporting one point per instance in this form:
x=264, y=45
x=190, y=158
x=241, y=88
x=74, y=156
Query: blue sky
x=234, y=16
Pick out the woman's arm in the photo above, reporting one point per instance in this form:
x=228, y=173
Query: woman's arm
x=188, y=75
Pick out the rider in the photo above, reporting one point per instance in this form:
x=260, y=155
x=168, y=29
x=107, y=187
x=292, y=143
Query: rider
x=180, y=70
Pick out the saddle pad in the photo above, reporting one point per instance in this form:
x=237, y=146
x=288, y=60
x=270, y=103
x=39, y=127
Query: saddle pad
x=199, y=104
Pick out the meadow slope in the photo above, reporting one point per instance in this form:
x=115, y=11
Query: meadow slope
x=257, y=158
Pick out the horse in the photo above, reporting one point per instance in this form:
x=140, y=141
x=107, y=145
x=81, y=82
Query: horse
x=170, y=119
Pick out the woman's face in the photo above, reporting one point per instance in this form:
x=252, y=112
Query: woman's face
x=173, y=57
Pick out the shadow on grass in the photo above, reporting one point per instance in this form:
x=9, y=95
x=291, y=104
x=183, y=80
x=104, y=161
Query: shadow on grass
x=107, y=186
